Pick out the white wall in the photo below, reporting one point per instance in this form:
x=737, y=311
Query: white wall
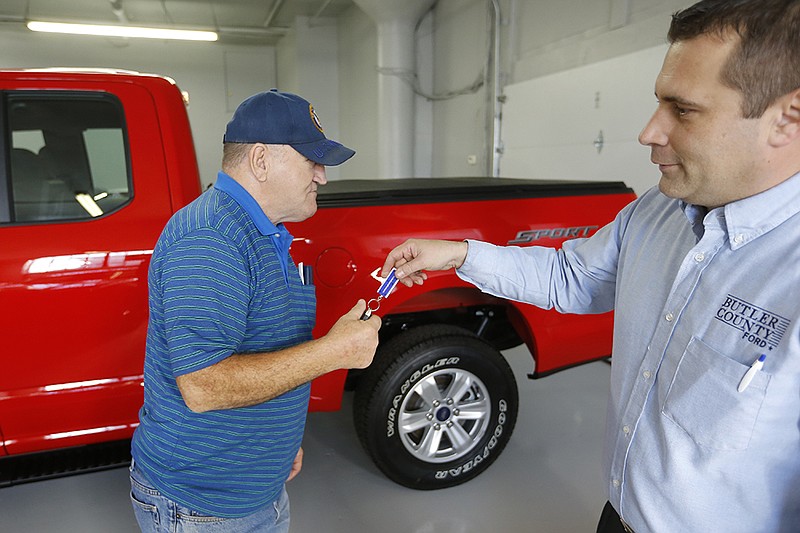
x=308, y=65
x=358, y=95
x=576, y=69
x=555, y=57
x=550, y=123
x=548, y=37
x=216, y=76
x=461, y=44
x=358, y=92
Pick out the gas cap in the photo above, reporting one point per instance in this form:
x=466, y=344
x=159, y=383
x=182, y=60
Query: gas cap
x=335, y=267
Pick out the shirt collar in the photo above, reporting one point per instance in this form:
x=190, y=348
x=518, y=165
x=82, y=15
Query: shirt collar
x=696, y=215
x=228, y=185
x=749, y=218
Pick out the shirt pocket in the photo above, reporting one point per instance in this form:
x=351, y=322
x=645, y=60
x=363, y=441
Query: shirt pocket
x=704, y=401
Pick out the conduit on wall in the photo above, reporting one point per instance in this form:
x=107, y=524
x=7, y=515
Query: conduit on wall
x=395, y=21
x=496, y=98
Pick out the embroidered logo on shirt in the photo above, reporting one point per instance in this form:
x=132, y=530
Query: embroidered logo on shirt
x=758, y=326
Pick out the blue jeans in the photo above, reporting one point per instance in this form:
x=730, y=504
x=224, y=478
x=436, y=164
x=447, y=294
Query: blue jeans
x=158, y=514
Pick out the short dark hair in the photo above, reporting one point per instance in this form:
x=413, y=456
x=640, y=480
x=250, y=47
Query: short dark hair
x=765, y=64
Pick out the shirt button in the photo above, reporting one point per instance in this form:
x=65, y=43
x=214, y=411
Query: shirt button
x=615, y=483
x=669, y=317
x=626, y=429
x=699, y=257
x=738, y=239
x=646, y=374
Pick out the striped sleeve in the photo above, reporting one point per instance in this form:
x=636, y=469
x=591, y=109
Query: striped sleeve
x=205, y=285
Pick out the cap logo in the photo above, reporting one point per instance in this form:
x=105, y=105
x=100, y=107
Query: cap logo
x=314, y=118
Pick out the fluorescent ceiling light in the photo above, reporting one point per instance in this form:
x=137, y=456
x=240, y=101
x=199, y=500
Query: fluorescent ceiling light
x=121, y=31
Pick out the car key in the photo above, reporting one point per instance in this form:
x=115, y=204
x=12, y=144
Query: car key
x=387, y=286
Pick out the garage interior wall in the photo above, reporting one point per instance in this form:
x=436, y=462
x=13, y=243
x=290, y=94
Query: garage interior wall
x=581, y=73
x=308, y=64
x=570, y=69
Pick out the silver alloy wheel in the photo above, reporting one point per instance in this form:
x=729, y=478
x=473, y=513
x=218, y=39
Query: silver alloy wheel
x=444, y=415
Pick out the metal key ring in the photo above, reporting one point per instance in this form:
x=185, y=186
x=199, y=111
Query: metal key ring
x=377, y=302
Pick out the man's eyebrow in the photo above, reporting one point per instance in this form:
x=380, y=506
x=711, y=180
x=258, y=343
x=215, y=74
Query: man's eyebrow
x=671, y=99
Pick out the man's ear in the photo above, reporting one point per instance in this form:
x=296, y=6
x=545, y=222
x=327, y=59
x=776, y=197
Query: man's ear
x=787, y=128
x=259, y=160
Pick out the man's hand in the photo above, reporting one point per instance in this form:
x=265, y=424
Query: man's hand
x=356, y=339
x=414, y=256
x=297, y=465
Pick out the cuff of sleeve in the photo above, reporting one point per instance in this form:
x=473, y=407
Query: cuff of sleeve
x=475, y=261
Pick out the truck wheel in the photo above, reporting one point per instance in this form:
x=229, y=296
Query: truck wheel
x=436, y=407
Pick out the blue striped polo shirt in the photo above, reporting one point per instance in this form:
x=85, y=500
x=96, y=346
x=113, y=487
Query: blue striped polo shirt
x=221, y=282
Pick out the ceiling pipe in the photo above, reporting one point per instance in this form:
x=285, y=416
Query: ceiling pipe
x=117, y=9
x=396, y=22
x=321, y=9
x=274, y=11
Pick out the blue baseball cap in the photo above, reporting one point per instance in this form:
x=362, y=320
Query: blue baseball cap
x=274, y=117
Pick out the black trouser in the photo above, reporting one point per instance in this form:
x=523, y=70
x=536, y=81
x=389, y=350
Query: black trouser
x=610, y=521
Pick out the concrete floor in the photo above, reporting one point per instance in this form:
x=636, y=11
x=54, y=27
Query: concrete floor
x=547, y=480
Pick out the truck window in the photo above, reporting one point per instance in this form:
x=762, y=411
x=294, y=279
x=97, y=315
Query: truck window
x=68, y=158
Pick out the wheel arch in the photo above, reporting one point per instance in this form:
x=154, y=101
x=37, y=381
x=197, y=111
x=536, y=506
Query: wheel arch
x=497, y=321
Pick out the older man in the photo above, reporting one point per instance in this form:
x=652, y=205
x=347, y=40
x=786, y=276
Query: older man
x=229, y=350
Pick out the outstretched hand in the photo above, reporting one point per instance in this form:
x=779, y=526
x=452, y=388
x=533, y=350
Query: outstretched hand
x=412, y=258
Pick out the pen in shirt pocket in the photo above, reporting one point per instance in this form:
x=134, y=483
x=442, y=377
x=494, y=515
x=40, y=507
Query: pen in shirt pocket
x=757, y=365
x=306, y=274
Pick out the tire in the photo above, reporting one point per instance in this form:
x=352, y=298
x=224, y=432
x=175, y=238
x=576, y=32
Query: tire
x=436, y=407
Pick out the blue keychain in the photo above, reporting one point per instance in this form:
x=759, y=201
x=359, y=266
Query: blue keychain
x=387, y=286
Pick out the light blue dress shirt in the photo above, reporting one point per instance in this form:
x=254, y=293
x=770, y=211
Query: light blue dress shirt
x=698, y=297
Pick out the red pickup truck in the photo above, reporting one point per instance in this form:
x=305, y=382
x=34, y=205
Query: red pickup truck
x=92, y=165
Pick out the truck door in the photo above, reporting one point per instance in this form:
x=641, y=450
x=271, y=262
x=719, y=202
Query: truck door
x=76, y=235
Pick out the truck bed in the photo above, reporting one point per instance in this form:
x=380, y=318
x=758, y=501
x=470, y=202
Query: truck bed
x=374, y=192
